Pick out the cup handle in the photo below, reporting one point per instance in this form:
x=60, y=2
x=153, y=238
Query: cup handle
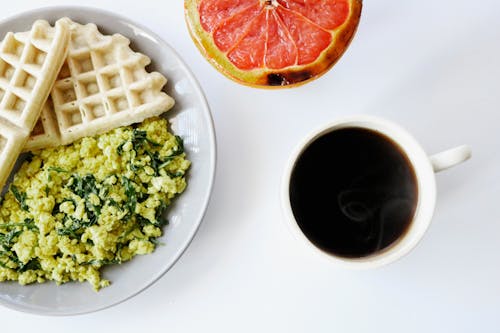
x=449, y=158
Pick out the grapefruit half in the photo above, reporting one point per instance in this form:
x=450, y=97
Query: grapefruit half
x=272, y=43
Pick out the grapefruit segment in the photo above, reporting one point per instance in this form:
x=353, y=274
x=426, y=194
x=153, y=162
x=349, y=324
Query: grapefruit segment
x=272, y=42
x=281, y=50
x=249, y=51
x=326, y=14
x=230, y=30
x=309, y=38
x=212, y=12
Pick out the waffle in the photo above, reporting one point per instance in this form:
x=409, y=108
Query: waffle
x=29, y=63
x=46, y=132
x=102, y=85
x=11, y=142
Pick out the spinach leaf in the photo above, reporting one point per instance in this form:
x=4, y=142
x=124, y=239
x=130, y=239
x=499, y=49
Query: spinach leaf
x=102, y=262
x=76, y=228
x=176, y=174
x=56, y=209
x=131, y=194
x=142, y=221
x=156, y=242
x=119, y=149
x=33, y=264
x=7, y=240
x=158, y=163
x=29, y=223
x=180, y=146
x=56, y=169
x=139, y=141
x=140, y=138
x=83, y=186
x=160, y=211
x=20, y=197
x=159, y=220
x=112, y=202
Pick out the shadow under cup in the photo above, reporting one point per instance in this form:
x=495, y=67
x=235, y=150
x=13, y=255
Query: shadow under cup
x=362, y=192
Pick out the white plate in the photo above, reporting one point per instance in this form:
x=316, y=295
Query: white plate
x=190, y=119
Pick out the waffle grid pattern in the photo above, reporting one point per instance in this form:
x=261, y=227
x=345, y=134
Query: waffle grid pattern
x=103, y=84
x=22, y=56
x=29, y=62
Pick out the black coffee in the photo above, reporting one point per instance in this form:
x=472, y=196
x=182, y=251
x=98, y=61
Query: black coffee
x=353, y=192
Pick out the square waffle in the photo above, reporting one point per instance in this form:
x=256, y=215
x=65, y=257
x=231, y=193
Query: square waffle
x=29, y=63
x=102, y=85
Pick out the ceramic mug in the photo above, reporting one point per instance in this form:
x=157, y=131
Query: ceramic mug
x=424, y=167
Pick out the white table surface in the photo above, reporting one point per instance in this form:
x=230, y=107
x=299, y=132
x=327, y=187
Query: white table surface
x=432, y=66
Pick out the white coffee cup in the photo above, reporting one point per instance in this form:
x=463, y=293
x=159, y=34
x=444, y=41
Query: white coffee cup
x=424, y=167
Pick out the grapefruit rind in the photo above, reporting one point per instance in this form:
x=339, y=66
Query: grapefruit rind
x=290, y=76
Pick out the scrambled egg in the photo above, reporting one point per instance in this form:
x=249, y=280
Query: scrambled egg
x=74, y=209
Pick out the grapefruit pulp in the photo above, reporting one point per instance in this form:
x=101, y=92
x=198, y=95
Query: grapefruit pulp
x=272, y=42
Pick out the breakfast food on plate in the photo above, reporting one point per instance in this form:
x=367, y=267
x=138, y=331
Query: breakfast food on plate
x=96, y=188
x=268, y=43
x=46, y=132
x=73, y=209
x=29, y=63
x=102, y=85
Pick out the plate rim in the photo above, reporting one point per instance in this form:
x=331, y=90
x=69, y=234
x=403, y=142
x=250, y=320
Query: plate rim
x=212, y=143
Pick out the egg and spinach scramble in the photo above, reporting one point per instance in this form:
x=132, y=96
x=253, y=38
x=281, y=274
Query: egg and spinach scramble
x=73, y=209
